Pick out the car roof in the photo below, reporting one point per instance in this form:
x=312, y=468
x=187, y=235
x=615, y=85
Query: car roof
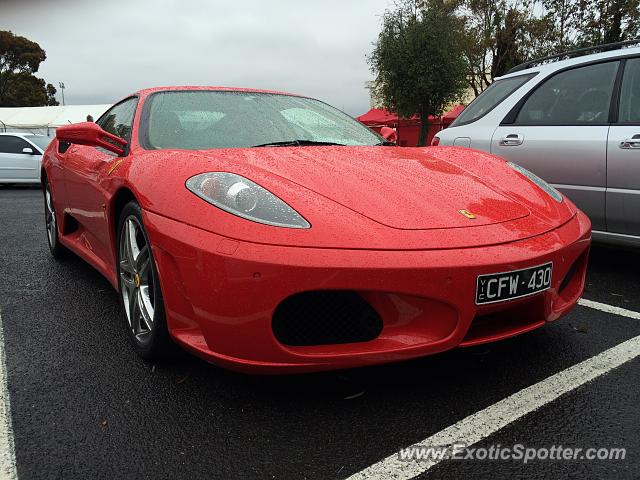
x=148, y=91
x=558, y=65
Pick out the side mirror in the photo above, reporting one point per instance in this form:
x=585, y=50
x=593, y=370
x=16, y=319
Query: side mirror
x=389, y=134
x=91, y=134
x=27, y=151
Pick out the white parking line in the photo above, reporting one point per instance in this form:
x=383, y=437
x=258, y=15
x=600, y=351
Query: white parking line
x=480, y=425
x=609, y=308
x=7, y=452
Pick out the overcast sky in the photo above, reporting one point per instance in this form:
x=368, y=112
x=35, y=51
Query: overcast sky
x=104, y=50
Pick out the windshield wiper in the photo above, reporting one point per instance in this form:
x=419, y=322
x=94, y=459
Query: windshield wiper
x=296, y=143
x=386, y=144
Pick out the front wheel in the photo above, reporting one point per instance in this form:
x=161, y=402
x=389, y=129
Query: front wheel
x=139, y=287
x=51, y=223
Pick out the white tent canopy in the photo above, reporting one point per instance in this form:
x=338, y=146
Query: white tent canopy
x=46, y=119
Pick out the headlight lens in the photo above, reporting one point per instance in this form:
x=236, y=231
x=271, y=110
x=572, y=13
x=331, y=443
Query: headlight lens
x=555, y=194
x=244, y=198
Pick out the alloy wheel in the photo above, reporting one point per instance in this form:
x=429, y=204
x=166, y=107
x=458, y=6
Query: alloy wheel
x=50, y=217
x=136, y=279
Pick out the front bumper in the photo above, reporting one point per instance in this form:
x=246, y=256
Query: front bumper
x=220, y=294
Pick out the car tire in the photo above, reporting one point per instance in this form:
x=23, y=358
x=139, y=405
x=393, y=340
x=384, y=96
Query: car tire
x=139, y=288
x=51, y=224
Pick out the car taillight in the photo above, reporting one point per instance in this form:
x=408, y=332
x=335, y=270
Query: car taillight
x=435, y=142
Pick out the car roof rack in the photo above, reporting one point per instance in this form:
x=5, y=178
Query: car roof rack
x=575, y=53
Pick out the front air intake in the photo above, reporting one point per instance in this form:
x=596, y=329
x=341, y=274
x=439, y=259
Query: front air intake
x=325, y=318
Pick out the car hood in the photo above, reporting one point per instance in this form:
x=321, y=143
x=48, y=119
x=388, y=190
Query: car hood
x=401, y=188
x=357, y=197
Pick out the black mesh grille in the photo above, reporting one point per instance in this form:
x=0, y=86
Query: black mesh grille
x=324, y=318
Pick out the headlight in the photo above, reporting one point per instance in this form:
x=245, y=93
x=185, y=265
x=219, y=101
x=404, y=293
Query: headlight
x=244, y=198
x=555, y=194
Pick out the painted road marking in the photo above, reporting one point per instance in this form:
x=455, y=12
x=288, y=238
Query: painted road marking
x=609, y=308
x=480, y=425
x=7, y=451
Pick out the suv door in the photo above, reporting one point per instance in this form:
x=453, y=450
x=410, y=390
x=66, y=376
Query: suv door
x=16, y=166
x=559, y=131
x=623, y=157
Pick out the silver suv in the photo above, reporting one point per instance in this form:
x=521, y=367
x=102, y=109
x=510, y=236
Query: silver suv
x=575, y=123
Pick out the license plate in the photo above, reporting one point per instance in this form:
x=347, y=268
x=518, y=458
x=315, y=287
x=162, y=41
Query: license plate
x=498, y=287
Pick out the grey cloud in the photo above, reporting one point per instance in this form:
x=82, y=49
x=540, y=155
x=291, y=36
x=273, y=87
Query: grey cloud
x=106, y=50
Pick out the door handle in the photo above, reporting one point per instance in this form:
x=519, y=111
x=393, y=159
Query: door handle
x=512, y=140
x=631, y=143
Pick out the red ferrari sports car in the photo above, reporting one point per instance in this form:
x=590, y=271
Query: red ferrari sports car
x=270, y=232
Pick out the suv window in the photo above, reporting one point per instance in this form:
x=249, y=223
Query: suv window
x=491, y=98
x=41, y=141
x=119, y=119
x=580, y=96
x=630, y=93
x=11, y=144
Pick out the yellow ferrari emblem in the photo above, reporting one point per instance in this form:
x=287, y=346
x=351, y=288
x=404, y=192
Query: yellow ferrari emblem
x=467, y=214
x=114, y=166
x=137, y=280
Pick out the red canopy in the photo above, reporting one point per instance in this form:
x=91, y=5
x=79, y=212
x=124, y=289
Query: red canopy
x=408, y=129
x=378, y=116
x=453, y=113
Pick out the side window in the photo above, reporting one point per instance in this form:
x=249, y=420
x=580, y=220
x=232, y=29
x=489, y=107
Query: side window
x=11, y=144
x=630, y=93
x=580, y=96
x=491, y=98
x=119, y=119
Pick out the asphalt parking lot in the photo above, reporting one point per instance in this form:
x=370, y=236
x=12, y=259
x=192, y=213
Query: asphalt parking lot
x=83, y=405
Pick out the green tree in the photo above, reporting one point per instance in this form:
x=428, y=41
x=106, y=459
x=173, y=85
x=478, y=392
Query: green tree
x=562, y=19
x=418, y=59
x=607, y=21
x=482, y=18
x=500, y=34
x=20, y=59
x=510, y=41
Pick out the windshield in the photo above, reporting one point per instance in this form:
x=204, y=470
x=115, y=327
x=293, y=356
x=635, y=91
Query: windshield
x=490, y=99
x=40, y=140
x=207, y=119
